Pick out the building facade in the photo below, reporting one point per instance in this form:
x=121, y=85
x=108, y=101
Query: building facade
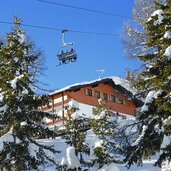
x=85, y=97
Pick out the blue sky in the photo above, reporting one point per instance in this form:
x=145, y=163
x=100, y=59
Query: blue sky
x=95, y=52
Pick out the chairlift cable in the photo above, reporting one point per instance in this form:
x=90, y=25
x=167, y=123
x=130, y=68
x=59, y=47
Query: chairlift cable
x=84, y=9
x=33, y=26
x=59, y=29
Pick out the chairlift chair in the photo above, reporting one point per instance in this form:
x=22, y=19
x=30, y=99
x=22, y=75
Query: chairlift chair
x=67, y=52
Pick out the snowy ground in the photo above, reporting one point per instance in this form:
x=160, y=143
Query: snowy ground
x=60, y=145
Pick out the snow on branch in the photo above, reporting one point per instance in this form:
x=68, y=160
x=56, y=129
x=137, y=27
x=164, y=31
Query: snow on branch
x=167, y=35
x=14, y=81
x=157, y=13
x=3, y=109
x=1, y=97
x=140, y=137
x=168, y=52
x=33, y=149
x=151, y=95
x=22, y=38
x=7, y=138
x=71, y=160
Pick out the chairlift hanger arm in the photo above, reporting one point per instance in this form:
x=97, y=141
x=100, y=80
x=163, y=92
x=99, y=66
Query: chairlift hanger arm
x=63, y=39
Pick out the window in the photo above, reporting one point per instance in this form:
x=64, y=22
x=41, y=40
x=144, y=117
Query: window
x=97, y=94
x=105, y=96
x=112, y=98
x=88, y=92
x=120, y=100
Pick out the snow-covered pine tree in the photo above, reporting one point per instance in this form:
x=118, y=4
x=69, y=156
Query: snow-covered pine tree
x=155, y=115
x=108, y=146
x=21, y=123
x=135, y=34
x=75, y=136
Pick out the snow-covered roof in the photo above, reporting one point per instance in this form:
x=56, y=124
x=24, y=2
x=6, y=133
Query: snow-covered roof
x=118, y=83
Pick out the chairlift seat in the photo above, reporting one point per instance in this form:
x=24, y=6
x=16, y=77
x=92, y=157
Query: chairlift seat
x=67, y=55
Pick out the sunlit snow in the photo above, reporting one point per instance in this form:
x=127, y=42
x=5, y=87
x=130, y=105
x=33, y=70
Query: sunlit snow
x=167, y=35
x=4, y=108
x=1, y=97
x=151, y=95
x=14, y=81
x=72, y=160
x=140, y=137
x=110, y=167
x=157, y=13
x=168, y=52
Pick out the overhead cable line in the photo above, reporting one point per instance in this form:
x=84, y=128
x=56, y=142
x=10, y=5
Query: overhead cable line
x=59, y=29
x=85, y=9
x=33, y=26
